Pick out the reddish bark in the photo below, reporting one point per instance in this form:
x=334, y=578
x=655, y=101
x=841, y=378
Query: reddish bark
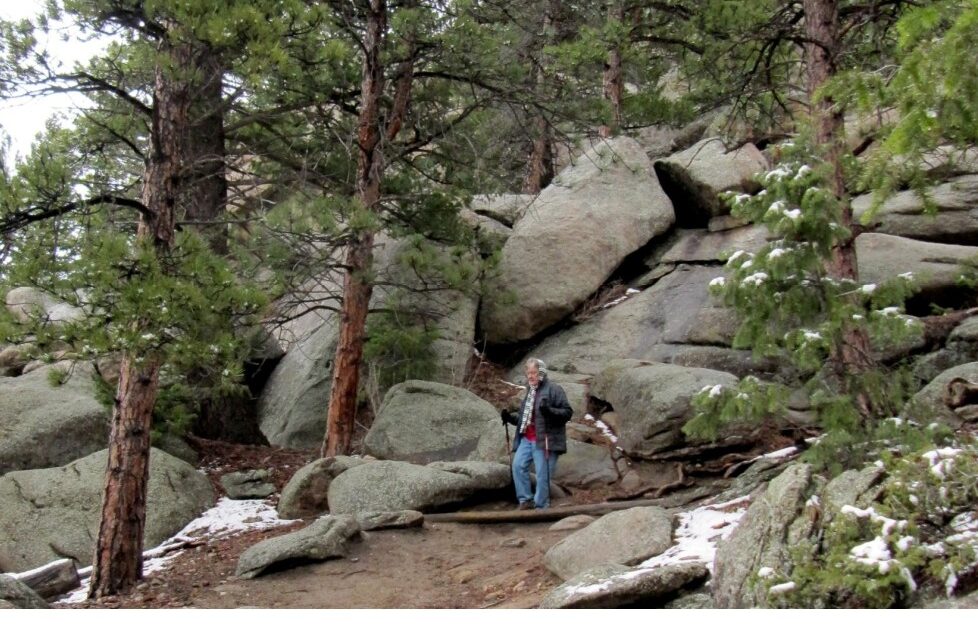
x=613, y=81
x=118, y=550
x=853, y=357
x=357, y=285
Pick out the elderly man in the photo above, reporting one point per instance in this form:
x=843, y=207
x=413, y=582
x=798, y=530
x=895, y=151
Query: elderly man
x=540, y=435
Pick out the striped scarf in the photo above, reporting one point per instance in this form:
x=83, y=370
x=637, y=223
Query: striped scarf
x=528, y=409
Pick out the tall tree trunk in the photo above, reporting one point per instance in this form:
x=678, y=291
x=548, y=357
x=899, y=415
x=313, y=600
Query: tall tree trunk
x=540, y=162
x=118, y=560
x=206, y=152
x=357, y=286
x=828, y=119
x=540, y=169
x=613, y=80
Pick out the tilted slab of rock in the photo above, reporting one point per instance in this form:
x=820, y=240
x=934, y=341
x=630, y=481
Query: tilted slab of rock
x=326, y=538
x=423, y=422
x=292, y=406
x=764, y=537
x=306, y=492
x=903, y=214
x=695, y=178
x=54, y=513
x=614, y=586
x=370, y=521
x=653, y=401
x=695, y=246
x=935, y=266
x=19, y=595
x=395, y=486
x=248, y=484
x=43, y=426
x=634, y=328
x=572, y=237
x=624, y=537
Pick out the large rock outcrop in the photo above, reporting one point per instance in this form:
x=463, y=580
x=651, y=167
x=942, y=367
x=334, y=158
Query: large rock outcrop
x=773, y=524
x=699, y=174
x=936, y=267
x=305, y=494
x=395, y=486
x=292, y=407
x=956, y=220
x=423, y=422
x=54, y=513
x=42, y=425
x=625, y=537
x=652, y=401
x=930, y=403
x=658, y=324
x=26, y=303
x=573, y=235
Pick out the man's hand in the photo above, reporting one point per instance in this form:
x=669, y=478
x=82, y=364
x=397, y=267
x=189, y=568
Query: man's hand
x=507, y=417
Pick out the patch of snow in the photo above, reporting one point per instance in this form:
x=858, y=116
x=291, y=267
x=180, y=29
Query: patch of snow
x=719, y=281
x=890, y=311
x=777, y=252
x=794, y=215
x=907, y=275
x=876, y=551
x=941, y=461
x=777, y=589
x=811, y=335
x=868, y=289
x=226, y=518
x=605, y=430
x=765, y=572
x=779, y=454
x=803, y=171
x=757, y=279
x=698, y=533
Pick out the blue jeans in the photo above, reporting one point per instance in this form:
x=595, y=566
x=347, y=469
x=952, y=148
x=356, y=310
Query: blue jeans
x=527, y=451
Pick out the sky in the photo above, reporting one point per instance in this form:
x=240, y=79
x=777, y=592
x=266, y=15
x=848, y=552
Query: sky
x=22, y=118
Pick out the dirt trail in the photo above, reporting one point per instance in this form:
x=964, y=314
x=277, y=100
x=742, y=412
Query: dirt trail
x=441, y=565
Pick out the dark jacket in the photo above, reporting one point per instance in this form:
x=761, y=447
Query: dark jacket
x=551, y=414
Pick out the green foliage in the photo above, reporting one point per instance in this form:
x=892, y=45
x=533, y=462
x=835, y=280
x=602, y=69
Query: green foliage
x=792, y=309
x=185, y=310
x=913, y=543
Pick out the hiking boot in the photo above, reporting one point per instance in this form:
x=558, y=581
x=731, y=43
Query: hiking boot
x=526, y=505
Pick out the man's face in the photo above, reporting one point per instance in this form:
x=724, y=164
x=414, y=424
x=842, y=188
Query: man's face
x=532, y=375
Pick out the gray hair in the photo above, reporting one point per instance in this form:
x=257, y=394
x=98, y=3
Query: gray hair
x=540, y=365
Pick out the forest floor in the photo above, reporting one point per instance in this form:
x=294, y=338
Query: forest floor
x=440, y=565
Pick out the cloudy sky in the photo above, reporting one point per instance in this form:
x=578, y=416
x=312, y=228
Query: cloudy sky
x=23, y=118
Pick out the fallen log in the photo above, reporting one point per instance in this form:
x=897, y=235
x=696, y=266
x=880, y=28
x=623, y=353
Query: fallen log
x=548, y=514
x=51, y=580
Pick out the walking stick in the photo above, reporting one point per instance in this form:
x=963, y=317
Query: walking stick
x=509, y=450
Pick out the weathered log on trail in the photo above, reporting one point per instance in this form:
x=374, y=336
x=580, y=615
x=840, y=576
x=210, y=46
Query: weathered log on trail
x=548, y=514
x=52, y=579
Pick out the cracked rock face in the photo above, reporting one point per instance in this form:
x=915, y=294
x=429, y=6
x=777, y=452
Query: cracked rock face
x=53, y=513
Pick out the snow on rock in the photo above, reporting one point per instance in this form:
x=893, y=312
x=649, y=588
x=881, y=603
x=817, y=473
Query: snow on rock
x=227, y=518
x=699, y=531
